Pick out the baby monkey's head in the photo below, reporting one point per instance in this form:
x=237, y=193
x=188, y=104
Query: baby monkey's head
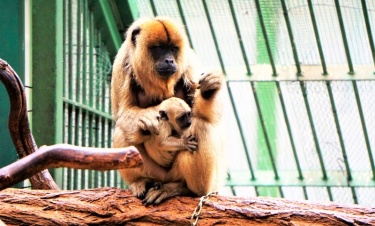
x=176, y=112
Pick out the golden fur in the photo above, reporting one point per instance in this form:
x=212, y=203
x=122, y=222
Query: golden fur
x=137, y=91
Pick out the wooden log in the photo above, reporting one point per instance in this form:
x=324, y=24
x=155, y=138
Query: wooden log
x=113, y=206
x=70, y=156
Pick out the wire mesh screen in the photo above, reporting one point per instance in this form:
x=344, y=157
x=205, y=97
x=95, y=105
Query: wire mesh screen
x=87, y=114
x=300, y=106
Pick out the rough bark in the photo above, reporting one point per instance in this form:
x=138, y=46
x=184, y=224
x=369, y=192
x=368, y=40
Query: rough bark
x=112, y=206
x=70, y=156
x=18, y=124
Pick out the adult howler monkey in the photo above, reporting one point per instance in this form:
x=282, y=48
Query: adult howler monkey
x=154, y=63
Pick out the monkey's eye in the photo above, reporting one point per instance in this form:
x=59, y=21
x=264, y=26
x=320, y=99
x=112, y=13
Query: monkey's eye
x=174, y=49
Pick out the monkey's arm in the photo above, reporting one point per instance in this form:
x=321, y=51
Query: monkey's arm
x=172, y=143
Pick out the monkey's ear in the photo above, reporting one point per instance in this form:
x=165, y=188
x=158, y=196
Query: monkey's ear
x=134, y=35
x=163, y=115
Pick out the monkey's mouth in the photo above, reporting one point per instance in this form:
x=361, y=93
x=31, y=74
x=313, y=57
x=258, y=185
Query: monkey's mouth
x=166, y=71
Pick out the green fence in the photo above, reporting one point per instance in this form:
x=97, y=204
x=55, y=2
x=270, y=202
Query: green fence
x=87, y=78
x=300, y=76
x=300, y=110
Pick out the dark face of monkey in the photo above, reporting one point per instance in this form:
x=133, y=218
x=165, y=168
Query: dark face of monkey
x=181, y=121
x=164, y=56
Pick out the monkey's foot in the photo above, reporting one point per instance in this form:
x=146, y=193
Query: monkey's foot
x=140, y=187
x=156, y=195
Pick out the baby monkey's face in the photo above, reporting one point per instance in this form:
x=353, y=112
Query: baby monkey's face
x=176, y=112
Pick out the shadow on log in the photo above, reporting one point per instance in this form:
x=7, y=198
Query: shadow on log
x=112, y=206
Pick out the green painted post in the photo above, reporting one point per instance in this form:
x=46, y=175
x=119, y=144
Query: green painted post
x=11, y=50
x=266, y=46
x=47, y=64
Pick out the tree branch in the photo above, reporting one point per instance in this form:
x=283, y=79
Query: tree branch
x=18, y=124
x=112, y=206
x=70, y=156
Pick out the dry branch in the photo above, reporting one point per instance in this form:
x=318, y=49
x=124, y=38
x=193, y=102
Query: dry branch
x=70, y=156
x=111, y=206
x=18, y=124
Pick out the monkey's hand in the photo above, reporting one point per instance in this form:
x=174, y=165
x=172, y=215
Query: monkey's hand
x=148, y=123
x=210, y=83
x=190, y=143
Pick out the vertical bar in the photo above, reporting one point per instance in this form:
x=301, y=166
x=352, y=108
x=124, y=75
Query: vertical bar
x=238, y=31
x=76, y=142
x=264, y=31
x=244, y=141
x=96, y=130
x=84, y=53
x=91, y=144
x=364, y=128
x=290, y=134
x=70, y=57
x=315, y=136
x=70, y=141
x=182, y=15
x=317, y=37
x=329, y=191
x=338, y=129
x=153, y=7
x=368, y=28
x=84, y=144
x=264, y=131
x=91, y=60
x=291, y=38
x=78, y=53
x=213, y=35
x=355, y=197
x=344, y=39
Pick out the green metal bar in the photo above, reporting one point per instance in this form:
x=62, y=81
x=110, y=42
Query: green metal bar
x=213, y=35
x=239, y=124
x=77, y=136
x=281, y=192
x=290, y=134
x=238, y=31
x=181, y=11
x=83, y=144
x=364, y=128
x=291, y=38
x=153, y=7
x=111, y=23
x=96, y=130
x=49, y=76
x=264, y=31
x=315, y=136
x=87, y=108
x=70, y=50
x=305, y=192
x=339, y=132
x=329, y=191
x=368, y=28
x=344, y=39
x=84, y=52
x=264, y=131
x=91, y=144
x=78, y=53
x=355, y=197
x=70, y=141
x=317, y=37
x=91, y=60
